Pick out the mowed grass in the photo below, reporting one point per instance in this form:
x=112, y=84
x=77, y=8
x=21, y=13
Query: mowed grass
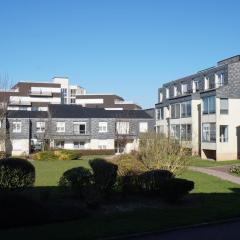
x=212, y=199
x=48, y=173
x=198, y=162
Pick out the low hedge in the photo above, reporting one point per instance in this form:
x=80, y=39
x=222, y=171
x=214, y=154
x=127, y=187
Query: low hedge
x=89, y=152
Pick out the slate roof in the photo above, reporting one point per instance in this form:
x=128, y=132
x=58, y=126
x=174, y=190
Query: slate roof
x=76, y=111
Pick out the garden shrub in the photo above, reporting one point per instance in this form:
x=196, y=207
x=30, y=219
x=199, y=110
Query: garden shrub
x=57, y=155
x=152, y=181
x=16, y=173
x=90, y=152
x=175, y=189
x=76, y=178
x=104, y=174
x=128, y=183
x=44, y=156
x=235, y=169
x=91, y=195
x=127, y=163
x=67, y=154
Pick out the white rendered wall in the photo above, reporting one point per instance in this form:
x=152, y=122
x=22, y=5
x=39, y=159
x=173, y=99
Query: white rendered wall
x=20, y=147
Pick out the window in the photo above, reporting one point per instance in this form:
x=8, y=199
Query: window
x=73, y=92
x=102, y=146
x=184, y=88
x=122, y=127
x=79, y=128
x=60, y=126
x=73, y=100
x=175, y=93
x=17, y=127
x=40, y=126
x=160, y=97
x=220, y=77
x=186, y=109
x=160, y=113
x=167, y=92
x=79, y=145
x=102, y=127
x=209, y=105
x=186, y=132
x=160, y=129
x=175, y=110
x=206, y=83
x=223, y=106
x=223, y=133
x=209, y=132
x=195, y=85
x=143, y=127
x=175, y=131
x=64, y=92
x=60, y=144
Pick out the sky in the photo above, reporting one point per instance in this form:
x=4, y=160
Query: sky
x=126, y=47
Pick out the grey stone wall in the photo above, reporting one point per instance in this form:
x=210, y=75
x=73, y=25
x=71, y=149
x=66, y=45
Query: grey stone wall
x=25, y=130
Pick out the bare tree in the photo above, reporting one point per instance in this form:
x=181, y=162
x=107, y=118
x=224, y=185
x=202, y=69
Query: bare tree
x=4, y=103
x=159, y=152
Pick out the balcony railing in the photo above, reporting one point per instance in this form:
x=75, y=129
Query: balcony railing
x=40, y=93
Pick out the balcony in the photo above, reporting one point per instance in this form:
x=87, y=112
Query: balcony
x=19, y=103
x=40, y=93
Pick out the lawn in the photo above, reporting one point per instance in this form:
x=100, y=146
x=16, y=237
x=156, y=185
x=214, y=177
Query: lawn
x=212, y=199
x=49, y=172
x=198, y=162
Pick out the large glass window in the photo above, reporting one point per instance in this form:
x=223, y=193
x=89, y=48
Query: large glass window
x=223, y=133
x=186, y=132
x=79, y=145
x=209, y=132
x=223, y=106
x=209, y=105
x=184, y=88
x=175, y=110
x=160, y=113
x=175, y=131
x=143, y=127
x=186, y=109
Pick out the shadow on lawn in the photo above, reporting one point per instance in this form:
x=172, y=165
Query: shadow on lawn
x=41, y=205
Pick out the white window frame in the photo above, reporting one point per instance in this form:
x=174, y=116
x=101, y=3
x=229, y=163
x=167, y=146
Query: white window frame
x=78, y=124
x=79, y=145
x=60, y=128
x=167, y=92
x=122, y=128
x=40, y=127
x=60, y=144
x=17, y=127
x=102, y=146
x=184, y=88
x=102, y=127
x=143, y=127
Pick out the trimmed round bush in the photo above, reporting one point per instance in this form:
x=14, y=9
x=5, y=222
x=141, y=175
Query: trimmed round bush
x=129, y=183
x=16, y=173
x=76, y=178
x=152, y=181
x=104, y=174
x=175, y=189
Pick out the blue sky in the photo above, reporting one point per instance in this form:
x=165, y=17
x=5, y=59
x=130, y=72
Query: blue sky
x=127, y=47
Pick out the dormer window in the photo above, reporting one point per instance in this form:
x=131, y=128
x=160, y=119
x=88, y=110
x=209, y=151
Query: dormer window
x=167, y=92
x=206, y=83
x=174, y=91
x=195, y=85
x=219, y=79
x=160, y=97
x=184, y=88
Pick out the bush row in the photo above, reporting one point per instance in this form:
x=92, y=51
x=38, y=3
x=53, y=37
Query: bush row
x=102, y=180
x=64, y=154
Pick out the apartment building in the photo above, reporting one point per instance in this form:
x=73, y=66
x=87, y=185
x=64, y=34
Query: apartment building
x=75, y=127
x=36, y=96
x=202, y=111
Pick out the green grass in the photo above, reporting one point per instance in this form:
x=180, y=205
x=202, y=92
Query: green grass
x=212, y=199
x=198, y=162
x=49, y=172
